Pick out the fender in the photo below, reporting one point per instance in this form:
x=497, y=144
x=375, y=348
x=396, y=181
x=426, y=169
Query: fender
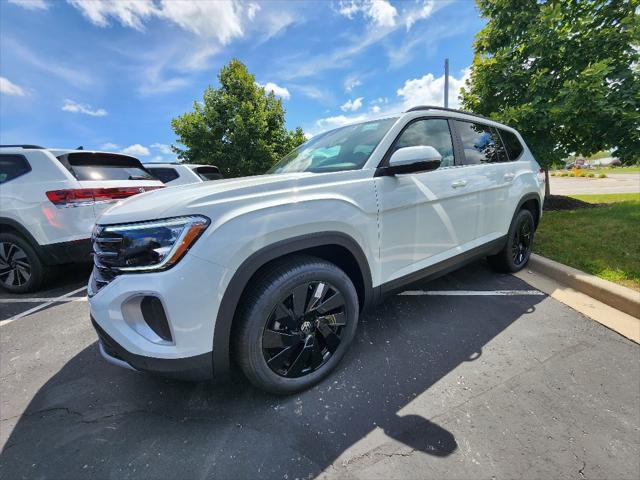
x=525, y=198
x=4, y=221
x=240, y=279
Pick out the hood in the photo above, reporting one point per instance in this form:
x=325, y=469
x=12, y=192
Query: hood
x=185, y=199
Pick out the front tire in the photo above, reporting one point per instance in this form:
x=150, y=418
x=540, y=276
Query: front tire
x=296, y=323
x=21, y=270
x=517, y=250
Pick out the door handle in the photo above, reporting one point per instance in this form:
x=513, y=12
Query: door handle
x=509, y=176
x=459, y=184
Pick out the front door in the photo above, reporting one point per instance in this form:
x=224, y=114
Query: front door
x=425, y=217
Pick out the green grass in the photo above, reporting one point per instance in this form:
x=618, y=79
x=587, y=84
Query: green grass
x=607, y=170
x=608, y=197
x=603, y=241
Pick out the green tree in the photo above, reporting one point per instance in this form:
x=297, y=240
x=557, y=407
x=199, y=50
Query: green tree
x=238, y=127
x=564, y=73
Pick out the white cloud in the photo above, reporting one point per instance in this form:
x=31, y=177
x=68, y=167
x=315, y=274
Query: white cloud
x=429, y=90
x=379, y=101
x=78, y=77
x=136, y=150
x=277, y=90
x=162, y=147
x=252, y=9
x=339, y=121
x=355, y=44
x=418, y=14
x=130, y=13
x=109, y=146
x=320, y=95
x=352, y=105
x=7, y=87
x=31, y=4
x=222, y=19
x=75, y=107
x=376, y=109
x=351, y=82
x=380, y=12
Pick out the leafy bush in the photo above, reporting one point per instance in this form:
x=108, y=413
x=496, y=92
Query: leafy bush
x=591, y=174
x=602, y=175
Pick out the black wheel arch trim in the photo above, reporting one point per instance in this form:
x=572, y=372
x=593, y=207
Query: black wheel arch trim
x=231, y=298
x=53, y=253
x=525, y=198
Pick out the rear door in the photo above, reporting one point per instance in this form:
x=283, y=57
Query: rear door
x=425, y=217
x=110, y=176
x=489, y=175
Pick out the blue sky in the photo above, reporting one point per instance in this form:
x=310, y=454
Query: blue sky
x=112, y=74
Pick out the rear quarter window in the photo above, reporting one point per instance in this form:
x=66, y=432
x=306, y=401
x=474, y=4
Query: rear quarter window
x=209, y=173
x=12, y=166
x=512, y=144
x=164, y=174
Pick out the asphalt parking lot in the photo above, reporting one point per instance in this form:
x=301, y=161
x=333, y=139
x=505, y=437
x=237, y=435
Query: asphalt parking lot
x=474, y=375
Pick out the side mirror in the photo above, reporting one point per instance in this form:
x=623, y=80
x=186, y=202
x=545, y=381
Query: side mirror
x=413, y=159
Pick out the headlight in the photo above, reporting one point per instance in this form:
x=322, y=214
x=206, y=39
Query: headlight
x=144, y=246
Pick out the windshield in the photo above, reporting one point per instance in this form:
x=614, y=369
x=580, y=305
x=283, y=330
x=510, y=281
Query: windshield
x=346, y=148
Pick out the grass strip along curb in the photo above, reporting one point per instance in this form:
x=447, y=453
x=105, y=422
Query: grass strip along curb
x=621, y=298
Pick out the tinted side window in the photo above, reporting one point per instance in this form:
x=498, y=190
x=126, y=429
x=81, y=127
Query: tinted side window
x=12, y=166
x=512, y=144
x=209, y=173
x=481, y=143
x=164, y=174
x=432, y=132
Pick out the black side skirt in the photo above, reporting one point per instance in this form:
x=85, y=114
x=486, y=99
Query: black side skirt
x=442, y=268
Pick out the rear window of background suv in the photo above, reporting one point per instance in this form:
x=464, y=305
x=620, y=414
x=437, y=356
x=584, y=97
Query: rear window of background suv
x=104, y=166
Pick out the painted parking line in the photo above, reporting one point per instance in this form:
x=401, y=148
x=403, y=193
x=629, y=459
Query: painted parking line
x=471, y=293
x=68, y=297
x=41, y=299
x=49, y=301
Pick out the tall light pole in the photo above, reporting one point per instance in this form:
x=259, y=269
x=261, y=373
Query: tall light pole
x=446, y=83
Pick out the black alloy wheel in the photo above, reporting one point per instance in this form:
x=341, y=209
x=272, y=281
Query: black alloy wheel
x=15, y=267
x=518, y=244
x=304, y=329
x=522, y=241
x=295, y=323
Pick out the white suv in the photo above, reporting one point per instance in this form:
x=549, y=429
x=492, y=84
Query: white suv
x=173, y=174
x=49, y=201
x=271, y=272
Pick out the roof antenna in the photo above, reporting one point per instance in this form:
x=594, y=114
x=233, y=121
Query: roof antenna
x=80, y=148
x=446, y=83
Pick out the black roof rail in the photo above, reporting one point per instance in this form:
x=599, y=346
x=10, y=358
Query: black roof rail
x=433, y=107
x=23, y=146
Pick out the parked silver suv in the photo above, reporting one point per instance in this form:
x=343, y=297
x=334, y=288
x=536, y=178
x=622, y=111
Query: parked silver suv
x=273, y=271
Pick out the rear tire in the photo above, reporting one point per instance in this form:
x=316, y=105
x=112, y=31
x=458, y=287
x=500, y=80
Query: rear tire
x=21, y=270
x=296, y=322
x=515, y=254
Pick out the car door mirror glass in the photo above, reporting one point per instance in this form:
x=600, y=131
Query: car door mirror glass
x=421, y=158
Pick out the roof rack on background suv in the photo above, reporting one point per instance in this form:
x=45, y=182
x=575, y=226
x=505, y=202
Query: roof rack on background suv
x=23, y=146
x=433, y=107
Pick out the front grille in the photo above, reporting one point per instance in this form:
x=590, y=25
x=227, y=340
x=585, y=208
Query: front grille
x=106, y=256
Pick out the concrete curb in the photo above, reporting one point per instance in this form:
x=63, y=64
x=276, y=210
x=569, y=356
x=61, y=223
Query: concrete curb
x=609, y=293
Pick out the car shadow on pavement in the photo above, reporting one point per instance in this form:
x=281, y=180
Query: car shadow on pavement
x=93, y=420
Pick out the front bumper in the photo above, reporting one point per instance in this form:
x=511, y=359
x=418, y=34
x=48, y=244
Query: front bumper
x=195, y=368
x=190, y=295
